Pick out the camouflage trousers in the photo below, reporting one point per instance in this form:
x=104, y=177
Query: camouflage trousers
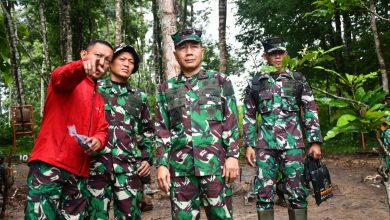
x=54, y=193
x=216, y=197
x=291, y=162
x=126, y=190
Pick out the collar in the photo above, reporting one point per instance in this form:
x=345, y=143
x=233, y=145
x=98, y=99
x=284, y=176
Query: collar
x=202, y=74
x=128, y=87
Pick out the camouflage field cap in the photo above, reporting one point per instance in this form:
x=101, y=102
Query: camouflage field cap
x=187, y=35
x=128, y=48
x=273, y=44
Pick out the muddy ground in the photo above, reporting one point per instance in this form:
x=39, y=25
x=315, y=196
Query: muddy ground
x=357, y=194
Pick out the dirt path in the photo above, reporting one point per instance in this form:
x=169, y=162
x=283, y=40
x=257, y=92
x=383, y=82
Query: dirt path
x=353, y=197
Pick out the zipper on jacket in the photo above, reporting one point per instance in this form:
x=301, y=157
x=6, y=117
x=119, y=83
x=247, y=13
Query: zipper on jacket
x=90, y=118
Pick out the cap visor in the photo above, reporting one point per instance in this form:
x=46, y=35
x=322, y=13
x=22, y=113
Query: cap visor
x=276, y=49
x=186, y=40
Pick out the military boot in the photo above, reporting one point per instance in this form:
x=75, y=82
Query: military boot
x=265, y=214
x=297, y=214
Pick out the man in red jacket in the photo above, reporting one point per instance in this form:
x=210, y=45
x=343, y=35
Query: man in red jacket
x=58, y=163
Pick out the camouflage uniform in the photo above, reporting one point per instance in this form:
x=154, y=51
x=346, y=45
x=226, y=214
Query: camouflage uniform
x=130, y=141
x=46, y=187
x=196, y=125
x=279, y=137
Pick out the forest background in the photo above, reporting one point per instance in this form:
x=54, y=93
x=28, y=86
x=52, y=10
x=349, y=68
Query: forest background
x=38, y=36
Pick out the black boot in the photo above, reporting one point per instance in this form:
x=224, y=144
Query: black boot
x=265, y=214
x=297, y=214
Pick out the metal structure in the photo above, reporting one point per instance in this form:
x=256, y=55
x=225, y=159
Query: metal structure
x=23, y=122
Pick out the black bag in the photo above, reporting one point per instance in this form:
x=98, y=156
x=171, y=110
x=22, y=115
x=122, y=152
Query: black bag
x=319, y=176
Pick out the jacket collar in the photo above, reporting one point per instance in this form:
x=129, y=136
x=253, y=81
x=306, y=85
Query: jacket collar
x=201, y=75
x=108, y=84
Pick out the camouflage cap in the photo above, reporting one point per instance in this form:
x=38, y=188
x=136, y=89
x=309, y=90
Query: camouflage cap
x=387, y=96
x=273, y=44
x=128, y=48
x=187, y=35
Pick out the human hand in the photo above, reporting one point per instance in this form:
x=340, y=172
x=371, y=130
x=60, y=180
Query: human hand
x=315, y=149
x=93, y=65
x=251, y=156
x=144, y=169
x=93, y=143
x=163, y=178
x=230, y=170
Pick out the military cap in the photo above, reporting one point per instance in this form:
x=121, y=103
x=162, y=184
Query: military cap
x=128, y=48
x=273, y=44
x=184, y=35
x=387, y=96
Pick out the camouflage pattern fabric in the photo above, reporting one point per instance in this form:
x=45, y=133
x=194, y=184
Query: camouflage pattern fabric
x=215, y=194
x=280, y=137
x=386, y=141
x=130, y=141
x=280, y=127
x=55, y=193
x=291, y=162
x=196, y=124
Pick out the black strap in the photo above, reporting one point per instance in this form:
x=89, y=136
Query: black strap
x=255, y=89
x=298, y=77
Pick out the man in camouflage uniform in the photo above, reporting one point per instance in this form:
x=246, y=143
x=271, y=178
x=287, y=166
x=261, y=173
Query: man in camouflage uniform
x=197, y=135
x=127, y=157
x=59, y=165
x=278, y=97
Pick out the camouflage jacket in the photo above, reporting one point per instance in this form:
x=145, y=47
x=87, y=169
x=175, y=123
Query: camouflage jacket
x=130, y=133
x=280, y=127
x=196, y=124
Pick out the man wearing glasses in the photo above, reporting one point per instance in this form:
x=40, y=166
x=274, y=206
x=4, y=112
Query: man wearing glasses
x=197, y=135
x=119, y=168
x=279, y=97
x=59, y=164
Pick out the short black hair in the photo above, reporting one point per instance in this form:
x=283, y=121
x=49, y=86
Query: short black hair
x=93, y=42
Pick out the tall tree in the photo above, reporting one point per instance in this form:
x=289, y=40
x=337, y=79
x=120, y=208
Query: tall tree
x=118, y=14
x=168, y=26
x=378, y=48
x=46, y=63
x=223, y=54
x=66, y=30
x=46, y=57
x=7, y=7
x=184, y=16
x=157, y=51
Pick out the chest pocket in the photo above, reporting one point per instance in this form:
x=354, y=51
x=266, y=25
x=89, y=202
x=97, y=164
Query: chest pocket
x=289, y=94
x=210, y=103
x=265, y=102
x=176, y=100
x=134, y=105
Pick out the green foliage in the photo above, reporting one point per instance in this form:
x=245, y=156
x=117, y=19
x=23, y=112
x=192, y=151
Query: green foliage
x=361, y=112
x=328, y=8
x=211, y=59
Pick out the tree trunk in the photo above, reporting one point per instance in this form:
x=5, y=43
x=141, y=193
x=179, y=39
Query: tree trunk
x=66, y=30
x=46, y=58
x=338, y=41
x=184, y=12
x=222, y=36
x=347, y=40
x=14, y=51
x=157, y=52
x=192, y=14
x=168, y=26
x=378, y=49
x=118, y=15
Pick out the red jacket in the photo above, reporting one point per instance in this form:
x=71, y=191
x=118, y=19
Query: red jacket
x=72, y=99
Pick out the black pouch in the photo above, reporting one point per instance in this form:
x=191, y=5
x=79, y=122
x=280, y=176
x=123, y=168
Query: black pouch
x=318, y=174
